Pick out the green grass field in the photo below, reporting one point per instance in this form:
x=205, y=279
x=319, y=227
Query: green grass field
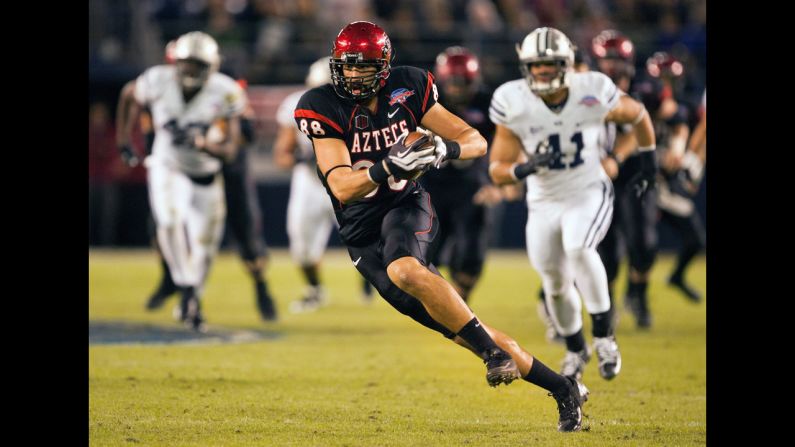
x=352, y=374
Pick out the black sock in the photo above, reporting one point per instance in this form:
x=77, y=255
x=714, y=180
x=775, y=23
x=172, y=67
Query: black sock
x=632, y=289
x=477, y=337
x=640, y=288
x=167, y=282
x=601, y=323
x=686, y=254
x=262, y=286
x=575, y=342
x=310, y=273
x=544, y=377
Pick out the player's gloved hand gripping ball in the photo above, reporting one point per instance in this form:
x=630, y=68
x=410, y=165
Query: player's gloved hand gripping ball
x=411, y=156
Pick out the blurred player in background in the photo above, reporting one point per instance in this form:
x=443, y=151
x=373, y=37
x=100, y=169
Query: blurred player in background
x=555, y=116
x=358, y=126
x=681, y=169
x=186, y=100
x=243, y=215
x=635, y=218
x=463, y=210
x=310, y=217
x=245, y=220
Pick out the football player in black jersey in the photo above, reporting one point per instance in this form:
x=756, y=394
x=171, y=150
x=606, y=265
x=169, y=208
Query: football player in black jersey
x=634, y=218
x=464, y=217
x=358, y=126
x=681, y=168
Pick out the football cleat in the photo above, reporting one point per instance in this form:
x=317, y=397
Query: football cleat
x=690, y=293
x=570, y=403
x=501, y=368
x=265, y=305
x=574, y=363
x=608, y=355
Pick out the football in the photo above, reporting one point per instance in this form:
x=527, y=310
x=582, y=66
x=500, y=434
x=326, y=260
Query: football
x=414, y=138
x=216, y=134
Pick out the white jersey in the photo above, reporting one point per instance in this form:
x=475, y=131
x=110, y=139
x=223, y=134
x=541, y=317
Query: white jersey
x=285, y=117
x=158, y=87
x=574, y=131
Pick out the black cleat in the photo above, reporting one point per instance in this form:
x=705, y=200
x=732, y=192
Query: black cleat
x=501, y=368
x=196, y=321
x=690, y=293
x=265, y=303
x=643, y=320
x=570, y=403
x=160, y=296
x=190, y=312
x=640, y=309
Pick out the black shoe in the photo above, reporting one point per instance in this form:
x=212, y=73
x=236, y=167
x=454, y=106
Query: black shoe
x=642, y=315
x=631, y=303
x=640, y=309
x=570, y=403
x=196, y=321
x=265, y=303
x=643, y=320
x=690, y=293
x=190, y=312
x=160, y=296
x=501, y=368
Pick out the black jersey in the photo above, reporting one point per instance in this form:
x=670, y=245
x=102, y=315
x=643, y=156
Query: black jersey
x=408, y=94
x=468, y=176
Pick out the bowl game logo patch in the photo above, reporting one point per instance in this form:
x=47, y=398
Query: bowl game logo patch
x=589, y=101
x=399, y=96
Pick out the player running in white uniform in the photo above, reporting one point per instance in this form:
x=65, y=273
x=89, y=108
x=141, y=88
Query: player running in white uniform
x=553, y=118
x=186, y=190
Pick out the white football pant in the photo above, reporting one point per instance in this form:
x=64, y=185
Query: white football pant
x=562, y=237
x=310, y=216
x=190, y=220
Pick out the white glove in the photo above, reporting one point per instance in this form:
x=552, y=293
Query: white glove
x=693, y=165
x=410, y=160
x=440, y=151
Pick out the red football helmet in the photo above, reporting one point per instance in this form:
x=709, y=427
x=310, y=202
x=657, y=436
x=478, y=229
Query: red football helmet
x=458, y=73
x=663, y=65
x=361, y=45
x=614, y=53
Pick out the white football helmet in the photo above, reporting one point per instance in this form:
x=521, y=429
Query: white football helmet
x=319, y=73
x=546, y=45
x=200, y=48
